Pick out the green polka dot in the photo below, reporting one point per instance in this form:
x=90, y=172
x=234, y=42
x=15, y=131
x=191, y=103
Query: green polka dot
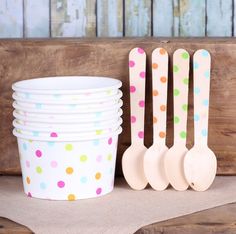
x=69, y=147
x=185, y=107
x=39, y=170
x=185, y=55
x=109, y=157
x=183, y=134
x=83, y=158
x=185, y=81
x=176, y=92
x=176, y=119
x=176, y=68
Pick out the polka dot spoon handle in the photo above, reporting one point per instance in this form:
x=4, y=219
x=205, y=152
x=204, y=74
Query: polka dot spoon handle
x=180, y=83
x=137, y=74
x=201, y=72
x=159, y=85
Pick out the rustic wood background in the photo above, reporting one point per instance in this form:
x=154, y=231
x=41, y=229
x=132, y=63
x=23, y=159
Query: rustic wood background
x=24, y=59
x=117, y=18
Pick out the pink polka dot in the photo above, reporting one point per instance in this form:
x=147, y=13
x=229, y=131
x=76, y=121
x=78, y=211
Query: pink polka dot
x=131, y=63
x=53, y=134
x=142, y=74
x=53, y=164
x=27, y=163
x=132, y=89
x=38, y=153
x=141, y=134
x=141, y=103
x=140, y=50
x=29, y=194
x=98, y=191
x=110, y=141
x=99, y=158
x=61, y=184
x=133, y=119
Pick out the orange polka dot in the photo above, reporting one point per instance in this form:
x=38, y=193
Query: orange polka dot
x=162, y=134
x=162, y=51
x=98, y=175
x=71, y=197
x=154, y=119
x=163, y=108
x=163, y=79
x=154, y=92
x=28, y=180
x=69, y=170
x=154, y=65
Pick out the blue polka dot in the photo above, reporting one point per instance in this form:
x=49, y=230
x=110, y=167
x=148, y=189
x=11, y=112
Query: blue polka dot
x=204, y=132
x=98, y=114
x=96, y=142
x=25, y=146
x=196, y=90
x=111, y=171
x=38, y=105
x=207, y=74
x=35, y=133
x=196, y=117
x=205, y=102
x=72, y=106
x=27, y=95
x=51, y=143
x=205, y=53
x=83, y=179
x=195, y=65
x=56, y=95
x=43, y=185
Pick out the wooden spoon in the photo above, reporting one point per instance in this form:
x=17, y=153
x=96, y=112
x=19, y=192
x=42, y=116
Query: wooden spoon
x=174, y=158
x=154, y=156
x=132, y=160
x=200, y=162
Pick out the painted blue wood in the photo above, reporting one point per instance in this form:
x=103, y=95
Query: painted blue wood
x=11, y=18
x=36, y=15
x=176, y=26
x=192, y=18
x=109, y=18
x=163, y=18
x=219, y=18
x=138, y=18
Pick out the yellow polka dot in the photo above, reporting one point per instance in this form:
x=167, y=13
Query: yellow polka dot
x=39, y=170
x=109, y=157
x=83, y=158
x=71, y=197
x=28, y=180
x=69, y=147
x=69, y=170
x=98, y=175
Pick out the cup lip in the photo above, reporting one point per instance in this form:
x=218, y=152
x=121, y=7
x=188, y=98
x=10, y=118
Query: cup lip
x=63, y=102
x=48, y=111
x=19, y=85
x=66, y=139
x=64, y=130
x=65, y=120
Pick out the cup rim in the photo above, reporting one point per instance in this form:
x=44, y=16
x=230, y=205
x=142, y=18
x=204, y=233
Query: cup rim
x=22, y=86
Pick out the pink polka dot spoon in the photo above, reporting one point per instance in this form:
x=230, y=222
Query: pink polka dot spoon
x=132, y=160
x=174, y=158
x=200, y=162
x=154, y=156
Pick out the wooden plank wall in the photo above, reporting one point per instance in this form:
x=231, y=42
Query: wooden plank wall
x=117, y=18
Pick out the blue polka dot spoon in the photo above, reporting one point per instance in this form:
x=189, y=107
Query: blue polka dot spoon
x=200, y=162
x=174, y=157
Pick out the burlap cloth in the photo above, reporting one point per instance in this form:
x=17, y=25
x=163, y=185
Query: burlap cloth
x=122, y=211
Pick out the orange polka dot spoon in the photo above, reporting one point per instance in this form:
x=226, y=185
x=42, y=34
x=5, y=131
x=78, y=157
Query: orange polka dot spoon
x=154, y=156
x=132, y=160
x=200, y=162
x=174, y=158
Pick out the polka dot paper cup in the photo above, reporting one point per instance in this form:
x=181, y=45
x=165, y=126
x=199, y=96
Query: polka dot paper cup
x=70, y=169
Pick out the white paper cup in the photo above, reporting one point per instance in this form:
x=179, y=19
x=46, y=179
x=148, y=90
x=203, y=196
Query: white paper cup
x=68, y=118
x=71, y=99
x=64, y=85
x=68, y=170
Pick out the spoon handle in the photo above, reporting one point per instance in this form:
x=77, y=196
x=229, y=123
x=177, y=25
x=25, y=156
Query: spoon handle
x=137, y=75
x=159, y=94
x=180, y=83
x=201, y=76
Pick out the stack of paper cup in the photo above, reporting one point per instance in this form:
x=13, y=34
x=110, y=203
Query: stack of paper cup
x=67, y=131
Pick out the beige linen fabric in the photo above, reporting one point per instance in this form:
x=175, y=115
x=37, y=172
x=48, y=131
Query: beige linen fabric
x=122, y=211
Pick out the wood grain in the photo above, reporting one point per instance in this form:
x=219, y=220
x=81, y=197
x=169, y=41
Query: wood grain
x=24, y=59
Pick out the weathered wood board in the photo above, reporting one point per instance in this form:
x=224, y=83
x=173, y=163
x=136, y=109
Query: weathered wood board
x=24, y=59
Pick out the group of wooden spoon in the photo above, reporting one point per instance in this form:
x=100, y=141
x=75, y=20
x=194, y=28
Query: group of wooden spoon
x=158, y=165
